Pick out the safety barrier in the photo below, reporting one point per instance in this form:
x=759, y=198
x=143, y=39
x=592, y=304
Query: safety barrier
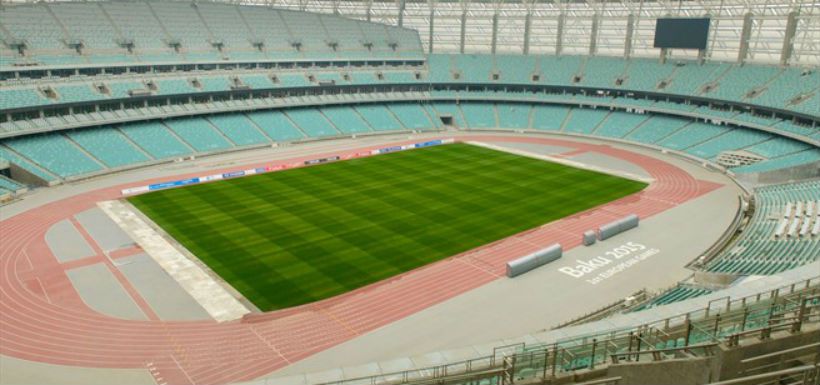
x=612, y=229
x=534, y=260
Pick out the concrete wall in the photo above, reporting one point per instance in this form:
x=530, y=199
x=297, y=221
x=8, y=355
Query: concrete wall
x=811, y=170
x=730, y=358
x=693, y=371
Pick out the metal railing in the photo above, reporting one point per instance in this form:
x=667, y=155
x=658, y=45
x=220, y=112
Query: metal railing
x=693, y=334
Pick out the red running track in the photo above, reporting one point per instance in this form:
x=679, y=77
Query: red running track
x=42, y=317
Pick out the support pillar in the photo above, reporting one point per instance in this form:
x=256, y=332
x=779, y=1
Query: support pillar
x=745, y=35
x=788, y=39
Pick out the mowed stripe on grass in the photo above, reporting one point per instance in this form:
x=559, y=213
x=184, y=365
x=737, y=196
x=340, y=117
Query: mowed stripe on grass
x=297, y=236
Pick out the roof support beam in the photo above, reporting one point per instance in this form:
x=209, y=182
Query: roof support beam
x=788, y=38
x=527, y=27
x=559, y=36
x=432, y=30
x=745, y=35
x=495, y=34
x=593, y=34
x=630, y=31
x=463, y=31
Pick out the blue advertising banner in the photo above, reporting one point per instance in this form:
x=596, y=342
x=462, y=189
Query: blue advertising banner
x=160, y=186
x=428, y=144
x=233, y=174
x=389, y=149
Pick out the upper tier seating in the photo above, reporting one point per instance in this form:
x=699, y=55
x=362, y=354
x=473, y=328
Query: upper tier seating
x=602, y=71
x=777, y=237
x=153, y=27
x=646, y=74
x=737, y=83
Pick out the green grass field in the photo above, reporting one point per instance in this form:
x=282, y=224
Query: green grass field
x=298, y=236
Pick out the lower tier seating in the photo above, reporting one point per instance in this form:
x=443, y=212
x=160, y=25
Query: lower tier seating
x=70, y=154
x=780, y=235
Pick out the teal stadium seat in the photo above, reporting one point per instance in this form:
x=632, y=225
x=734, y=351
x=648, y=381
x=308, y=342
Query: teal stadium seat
x=54, y=153
x=513, y=115
x=108, y=146
x=734, y=139
x=550, y=118
x=479, y=115
x=238, y=129
x=584, y=121
x=657, y=128
x=412, y=116
x=346, y=120
x=757, y=250
x=25, y=164
x=276, y=125
x=155, y=139
x=379, y=117
x=198, y=133
x=692, y=135
x=16, y=98
x=618, y=124
x=312, y=122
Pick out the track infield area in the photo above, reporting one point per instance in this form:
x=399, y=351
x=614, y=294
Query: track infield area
x=297, y=236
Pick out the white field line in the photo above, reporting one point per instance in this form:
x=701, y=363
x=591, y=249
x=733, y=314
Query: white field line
x=212, y=296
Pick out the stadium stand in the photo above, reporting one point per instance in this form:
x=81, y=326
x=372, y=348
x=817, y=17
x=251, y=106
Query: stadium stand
x=379, y=117
x=108, y=146
x=513, y=115
x=312, y=122
x=199, y=134
x=276, y=125
x=412, y=116
x=347, y=120
x=550, y=118
x=56, y=154
x=692, y=135
x=675, y=294
x=619, y=124
x=773, y=241
x=156, y=140
x=584, y=121
x=238, y=129
x=480, y=115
